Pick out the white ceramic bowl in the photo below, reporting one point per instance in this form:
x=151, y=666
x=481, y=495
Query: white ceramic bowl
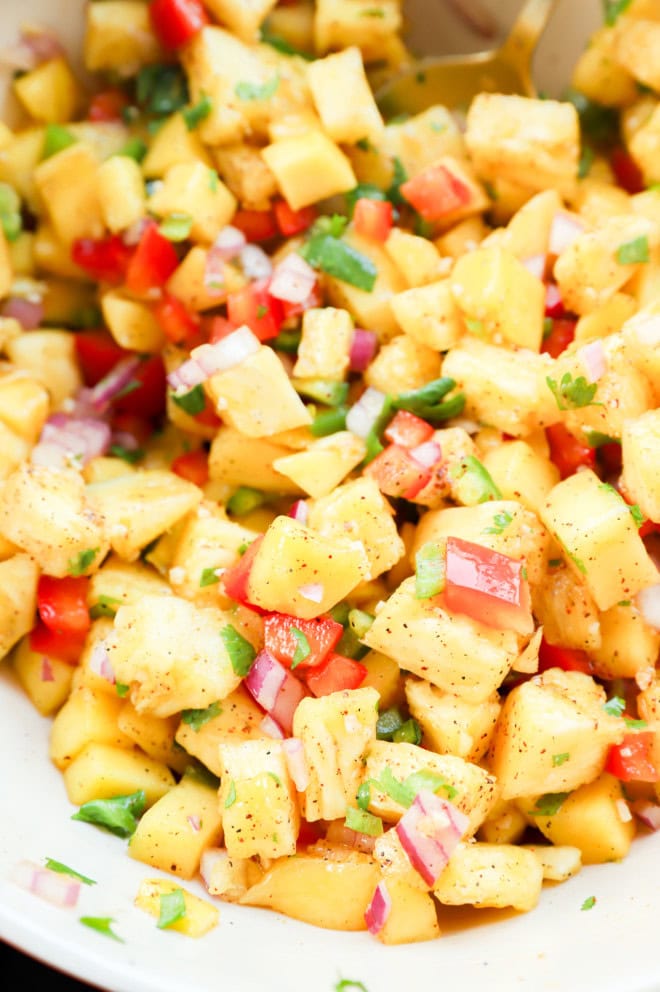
x=612, y=948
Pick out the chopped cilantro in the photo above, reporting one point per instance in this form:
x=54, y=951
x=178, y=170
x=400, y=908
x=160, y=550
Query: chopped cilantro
x=635, y=724
x=103, y=925
x=615, y=706
x=549, y=804
x=209, y=577
x=612, y=10
x=82, y=561
x=404, y=792
x=559, y=759
x=500, y=522
x=596, y=439
x=63, y=869
x=599, y=124
x=303, y=649
x=56, y=139
x=192, y=402
x=128, y=455
x=399, y=176
x=121, y=688
x=327, y=252
x=572, y=394
x=633, y=252
x=161, y=89
x=257, y=91
x=196, y=114
x=176, y=226
x=172, y=908
x=347, y=985
x=105, y=606
x=134, y=148
x=363, y=822
x=241, y=653
x=287, y=341
x=636, y=514
x=283, y=46
x=231, y=795
x=588, y=903
x=430, y=402
x=119, y=814
x=586, y=161
x=197, y=718
x=429, y=570
x=10, y=212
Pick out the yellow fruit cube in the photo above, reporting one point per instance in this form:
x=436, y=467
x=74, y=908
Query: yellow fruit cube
x=309, y=168
x=189, y=189
x=417, y=258
x=327, y=334
x=119, y=36
x=242, y=18
x=121, y=192
x=343, y=97
x=412, y=915
x=47, y=681
x=430, y=315
x=174, y=144
x=402, y=364
x=199, y=916
x=640, y=446
x=86, y=717
x=238, y=460
x=628, y=644
x=325, y=464
x=74, y=208
x=49, y=93
x=238, y=719
x=131, y=323
x=491, y=875
x=450, y=724
x=246, y=175
x=101, y=771
x=198, y=289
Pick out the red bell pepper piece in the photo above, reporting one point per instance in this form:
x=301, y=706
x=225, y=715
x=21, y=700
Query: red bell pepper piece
x=153, y=262
x=323, y=635
x=104, y=259
x=107, y=105
x=632, y=759
x=236, y=578
x=217, y=328
x=290, y=221
x=397, y=473
x=435, y=192
x=64, y=647
x=568, y=659
x=335, y=674
x=626, y=171
x=559, y=338
x=179, y=324
x=97, y=354
x=256, y=225
x=253, y=305
x=175, y=22
x=567, y=452
x=373, y=218
x=487, y=586
x=554, y=305
x=138, y=427
x=62, y=604
x=408, y=430
x=193, y=466
x=149, y=399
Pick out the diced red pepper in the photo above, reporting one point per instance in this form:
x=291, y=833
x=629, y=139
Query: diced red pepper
x=149, y=399
x=609, y=456
x=632, y=759
x=208, y=417
x=179, y=324
x=626, y=171
x=153, y=262
x=436, y=192
x=335, y=674
x=175, y=22
x=408, y=430
x=568, y=659
x=323, y=635
x=217, y=328
x=290, y=221
x=64, y=647
x=559, y=338
x=373, y=218
x=97, y=354
x=62, y=604
x=138, y=427
x=193, y=466
x=397, y=473
x=253, y=305
x=104, y=259
x=567, y=452
x=290, y=310
x=107, y=105
x=487, y=586
x=256, y=225
x=236, y=578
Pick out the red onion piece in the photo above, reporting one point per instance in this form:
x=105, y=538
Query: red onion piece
x=313, y=591
x=186, y=377
x=271, y=729
x=35, y=46
x=227, y=352
x=294, y=752
x=104, y=392
x=210, y=858
x=229, y=243
x=429, y=832
x=536, y=265
x=565, y=229
x=293, y=280
x=46, y=670
x=214, y=272
x=300, y=511
x=427, y=454
x=195, y=823
x=554, y=305
x=593, y=358
x=648, y=813
x=287, y=702
x=648, y=604
x=68, y=440
x=363, y=415
x=265, y=679
x=28, y=313
x=363, y=349
x=60, y=890
x=378, y=909
x=100, y=664
x=255, y=262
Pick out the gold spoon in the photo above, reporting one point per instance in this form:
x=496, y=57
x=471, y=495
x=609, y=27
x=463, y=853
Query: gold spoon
x=453, y=80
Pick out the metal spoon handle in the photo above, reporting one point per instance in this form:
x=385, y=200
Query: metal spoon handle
x=526, y=31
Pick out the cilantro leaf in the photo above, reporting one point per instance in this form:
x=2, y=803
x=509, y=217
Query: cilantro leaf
x=103, y=925
x=257, y=91
x=337, y=258
x=196, y=114
x=500, y=522
x=105, y=606
x=121, y=688
x=363, y=822
x=63, y=869
x=572, y=394
x=161, y=89
x=82, y=561
x=192, y=402
x=612, y=10
x=303, y=650
x=231, y=795
x=240, y=651
x=197, y=718
x=588, y=903
x=615, y=706
x=209, y=577
x=549, y=804
x=559, y=759
x=347, y=985
x=172, y=908
x=633, y=252
x=119, y=815
x=128, y=455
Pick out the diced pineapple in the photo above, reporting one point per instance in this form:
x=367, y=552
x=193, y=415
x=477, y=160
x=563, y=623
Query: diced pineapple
x=643, y=145
x=73, y=208
x=49, y=93
x=173, y=834
x=325, y=345
x=101, y=771
x=648, y=702
x=359, y=510
x=46, y=681
x=256, y=397
x=564, y=605
x=153, y=734
x=641, y=338
x=470, y=788
x=300, y=572
x=18, y=598
x=18, y=159
x=199, y=915
x=463, y=237
x=117, y=582
x=394, y=863
x=188, y=188
x=628, y=644
x=383, y=675
x=309, y=168
x=491, y=875
x=131, y=323
x=640, y=448
x=119, y=37
x=520, y=473
x=450, y=724
x=600, y=73
x=246, y=461
x=455, y=653
x=244, y=19
x=505, y=824
x=197, y=290
x=429, y=314
x=402, y=364
x=553, y=735
x=121, y=192
x=238, y=719
x=527, y=234
x=228, y=878
x=174, y=144
x=45, y=512
x=92, y=671
x=140, y=506
x=417, y=259
x=343, y=97
x=52, y=255
x=325, y=464
x=411, y=917
x=636, y=46
x=558, y=863
x=341, y=23
x=246, y=175
x=13, y=451
x=594, y=526
x=87, y=717
x=49, y=356
x=337, y=731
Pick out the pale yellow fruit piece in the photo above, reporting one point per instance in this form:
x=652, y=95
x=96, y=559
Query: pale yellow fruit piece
x=199, y=916
x=18, y=599
x=491, y=875
x=102, y=771
x=309, y=168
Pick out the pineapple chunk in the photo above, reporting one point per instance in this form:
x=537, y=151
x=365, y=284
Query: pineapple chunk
x=463, y=237
x=121, y=192
x=309, y=168
x=173, y=834
x=505, y=824
x=628, y=644
x=139, y=506
x=565, y=607
x=172, y=654
x=343, y=97
x=594, y=526
x=244, y=19
x=641, y=338
x=471, y=788
x=226, y=877
x=491, y=875
x=417, y=259
x=119, y=37
x=402, y=364
x=49, y=93
x=558, y=863
x=199, y=915
x=90, y=672
x=636, y=50
x=153, y=734
x=18, y=599
x=131, y=323
x=340, y=23
x=46, y=681
x=45, y=512
x=325, y=464
x=553, y=735
x=521, y=473
x=50, y=358
x=246, y=461
x=640, y=448
x=450, y=724
x=325, y=345
x=411, y=917
x=383, y=675
x=256, y=397
x=455, y=653
x=187, y=189
x=600, y=74
x=429, y=314
x=73, y=208
x=238, y=719
x=297, y=571
x=257, y=797
x=337, y=731
x=173, y=144
x=246, y=175
x=527, y=234
x=13, y=451
x=189, y=281
x=87, y=717
x=421, y=140
x=102, y=771
x=117, y=582
x=359, y=510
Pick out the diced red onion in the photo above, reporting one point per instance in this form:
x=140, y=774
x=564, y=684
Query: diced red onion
x=313, y=591
x=593, y=358
x=363, y=415
x=229, y=243
x=125, y=440
x=287, y=702
x=99, y=662
x=104, y=392
x=429, y=832
x=363, y=349
x=46, y=670
x=65, y=440
x=195, y=823
x=210, y=858
x=293, y=279
x=300, y=511
x=648, y=813
x=186, y=376
x=565, y=229
x=554, y=305
x=294, y=752
x=427, y=454
x=271, y=729
x=227, y=352
x=265, y=679
x=378, y=909
x=536, y=265
x=648, y=604
x=28, y=313
x=255, y=262
x=56, y=888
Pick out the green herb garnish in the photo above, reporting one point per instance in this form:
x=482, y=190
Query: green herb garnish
x=231, y=795
x=119, y=814
x=572, y=394
x=176, y=227
x=192, y=402
x=559, y=759
x=500, y=523
x=612, y=10
x=172, y=908
x=615, y=706
x=588, y=903
x=128, y=455
x=102, y=925
x=196, y=114
x=161, y=89
x=105, y=606
x=209, y=577
x=303, y=650
x=257, y=91
x=82, y=561
x=121, y=688
x=63, y=869
x=134, y=148
x=633, y=252
x=240, y=651
x=549, y=804
x=56, y=139
x=363, y=822
x=198, y=718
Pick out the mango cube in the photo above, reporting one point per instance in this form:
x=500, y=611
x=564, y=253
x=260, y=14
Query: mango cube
x=309, y=168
